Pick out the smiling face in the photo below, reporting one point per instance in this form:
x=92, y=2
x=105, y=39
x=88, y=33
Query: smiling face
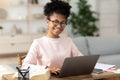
x=56, y=24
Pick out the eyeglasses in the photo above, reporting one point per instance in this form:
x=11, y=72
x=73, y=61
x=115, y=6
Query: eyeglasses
x=56, y=22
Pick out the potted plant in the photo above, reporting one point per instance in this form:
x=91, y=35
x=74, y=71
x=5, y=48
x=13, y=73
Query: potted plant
x=83, y=22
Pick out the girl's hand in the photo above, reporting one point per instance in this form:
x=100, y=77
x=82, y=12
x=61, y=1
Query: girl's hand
x=54, y=70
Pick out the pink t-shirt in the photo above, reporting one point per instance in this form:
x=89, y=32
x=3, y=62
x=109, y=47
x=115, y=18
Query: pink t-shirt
x=47, y=51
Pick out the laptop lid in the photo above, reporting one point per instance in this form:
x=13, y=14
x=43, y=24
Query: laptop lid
x=79, y=65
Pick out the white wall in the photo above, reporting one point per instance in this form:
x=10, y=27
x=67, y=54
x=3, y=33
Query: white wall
x=109, y=17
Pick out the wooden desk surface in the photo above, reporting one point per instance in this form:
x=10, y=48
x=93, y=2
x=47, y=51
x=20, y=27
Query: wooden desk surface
x=93, y=76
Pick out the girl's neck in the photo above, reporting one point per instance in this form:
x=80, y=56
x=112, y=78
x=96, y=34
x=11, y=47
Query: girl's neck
x=52, y=36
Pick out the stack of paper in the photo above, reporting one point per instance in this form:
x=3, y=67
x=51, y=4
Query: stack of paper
x=39, y=74
x=103, y=66
x=6, y=69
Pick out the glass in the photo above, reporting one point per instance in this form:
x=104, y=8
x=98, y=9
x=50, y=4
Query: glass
x=56, y=22
x=24, y=75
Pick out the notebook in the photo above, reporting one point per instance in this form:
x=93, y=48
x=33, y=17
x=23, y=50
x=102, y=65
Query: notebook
x=79, y=65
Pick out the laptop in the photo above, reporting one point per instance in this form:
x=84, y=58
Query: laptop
x=79, y=65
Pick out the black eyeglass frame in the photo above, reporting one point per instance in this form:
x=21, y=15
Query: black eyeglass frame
x=56, y=22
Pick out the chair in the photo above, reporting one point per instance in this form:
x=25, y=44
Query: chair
x=20, y=59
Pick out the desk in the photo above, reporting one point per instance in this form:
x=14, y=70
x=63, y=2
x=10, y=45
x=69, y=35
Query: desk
x=93, y=76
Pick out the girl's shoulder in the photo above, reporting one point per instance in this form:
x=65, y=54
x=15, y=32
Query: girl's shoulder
x=39, y=39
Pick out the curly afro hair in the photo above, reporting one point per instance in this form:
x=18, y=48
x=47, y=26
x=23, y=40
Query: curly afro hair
x=57, y=6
